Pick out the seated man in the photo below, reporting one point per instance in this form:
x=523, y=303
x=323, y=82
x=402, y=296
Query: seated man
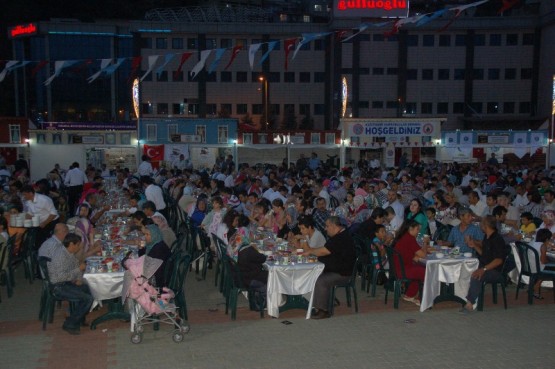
x=149, y=208
x=66, y=275
x=466, y=229
x=338, y=256
x=491, y=251
x=309, y=233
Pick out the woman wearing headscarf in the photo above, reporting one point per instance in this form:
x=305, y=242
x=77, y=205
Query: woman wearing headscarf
x=291, y=227
x=168, y=234
x=155, y=247
x=358, y=209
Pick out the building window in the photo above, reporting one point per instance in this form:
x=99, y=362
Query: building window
x=459, y=74
x=526, y=73
x=172, y=130
x=427, y=74
x=460, y=40
x=226, y=43
x=377, y=104
x=177, y=43
x=377, y=71
x=426, y=108
x=478, y=74
x=443, y=74
x=162, y=76
x=509, y=107
x=257, y=109
x=211, y=77
x=319, y=77
x=512, y=39
x=428, y=40
x=392, y=105
x=412, y=74
x=192, y=44
x=161, y=43
x=255, y=77
x=304, y=77
x=15, y=133
x=444, y=40
x=524, y=107
x=177, y=76
x=364, y=104
x=528, y=39
x=289, y=77
x=241, y=76
x=247, y=138
x=319, y=109
x=458, y=108
x=211, y=109
x=392, y=71
x=178, y=109
x=412, y=40
x=162, y=108
x=494, y=73
x=151, y=134
x=377, y=37
x=201, y=132
x=480, y=40
x=211, y=44
x=443, y=108
x=146, y=42
x=495, y=39
x=510, y=73
x=146, y=108
x=192, y=109
x=274, y=109
x=476, y=107
x=225, y=110
x=290, y=108
x=409, y=108
x=304, y=109
x=274, y=77
x=225, y=76
x=241, y=108
x=492, y=108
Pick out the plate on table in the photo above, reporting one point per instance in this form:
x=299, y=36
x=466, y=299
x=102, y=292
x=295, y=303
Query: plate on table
x=94, y=258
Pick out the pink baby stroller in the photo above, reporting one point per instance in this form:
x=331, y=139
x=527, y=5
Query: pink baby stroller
x=148, y=305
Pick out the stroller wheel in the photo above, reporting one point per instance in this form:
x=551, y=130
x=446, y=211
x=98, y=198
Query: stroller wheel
x=185, y=328
x=139, y=328
x=177, y=336
x=136, y=338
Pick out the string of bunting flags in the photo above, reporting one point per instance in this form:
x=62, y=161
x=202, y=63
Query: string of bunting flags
x=158, y=63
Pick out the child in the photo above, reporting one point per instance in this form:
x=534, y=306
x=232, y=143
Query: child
x=527, y=223
x=378, y=249
x=543, y=236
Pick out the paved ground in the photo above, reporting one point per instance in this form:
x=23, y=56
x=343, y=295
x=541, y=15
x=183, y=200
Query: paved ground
x=377, y=337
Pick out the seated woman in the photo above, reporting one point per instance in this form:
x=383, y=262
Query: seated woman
x=200, y=210
x=416, y=213
x=231, y=234
x=261, y=215
x=279, y=219
x=405, y=243
x=85, y=230
x=544, y=237
x=155, y=247
x=548, y=218
x=213, y=219
x=15, y=207
x=167, y=233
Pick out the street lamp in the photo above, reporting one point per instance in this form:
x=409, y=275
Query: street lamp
x=264, y=82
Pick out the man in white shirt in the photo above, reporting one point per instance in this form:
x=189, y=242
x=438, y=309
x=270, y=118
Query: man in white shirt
x=322, y=192
x=43, y=207
x=476, y=205
x=549, y=200
x=154, y=193
x=513, y=215
x=393, y=201
x=521, y=198
x=145, y=168
x=74, y=180
x=311, y=235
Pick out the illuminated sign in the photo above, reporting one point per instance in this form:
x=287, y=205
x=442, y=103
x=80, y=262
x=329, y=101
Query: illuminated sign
x=370, y=9
x=344, y=96
x=23, y=30
x=135, y=94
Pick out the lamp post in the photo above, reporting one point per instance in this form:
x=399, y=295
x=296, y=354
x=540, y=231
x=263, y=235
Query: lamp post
x=264, y=82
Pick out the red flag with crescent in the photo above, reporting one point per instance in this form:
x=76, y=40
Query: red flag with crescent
x=288, y=45
x=155, y=153
x=234, y=53
x=184, y=58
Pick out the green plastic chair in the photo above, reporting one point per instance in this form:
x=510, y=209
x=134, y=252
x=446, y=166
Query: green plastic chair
x=397, y=279
x=530, y=266
x=502, y=282
x=6, y=265
x=349, y=285
x=221, y=251
x=176, y=283
x=236, y=287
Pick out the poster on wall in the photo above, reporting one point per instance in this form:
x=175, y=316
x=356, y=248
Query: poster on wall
x=203, y=157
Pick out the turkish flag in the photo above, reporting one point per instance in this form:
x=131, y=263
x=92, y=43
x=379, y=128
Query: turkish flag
x=288, y=45
x=155, y=153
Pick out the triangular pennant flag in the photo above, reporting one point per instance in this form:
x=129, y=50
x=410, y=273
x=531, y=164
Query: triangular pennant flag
x=20, y=65
x=252, y=51
x=112, y=68
x=104, y=63
x=38, y=67
x=288, y=45
x=167, y=59
x=430, y=17
x=459, y=10
x=152, y=59
x=363, y=27
x=204, y=54
x=9, y=64
x=271, y=46
x=234, y=52
x=135, y=65
x=507, y=4
x=216, y=61
x=58, y=67
x=308, y=37
x=184, y=58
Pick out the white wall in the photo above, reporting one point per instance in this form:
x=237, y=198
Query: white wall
x=43, y=158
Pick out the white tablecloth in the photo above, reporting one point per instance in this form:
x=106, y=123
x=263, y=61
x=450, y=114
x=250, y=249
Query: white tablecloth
x=104, y=286
x=456, y=271
x=298, y=279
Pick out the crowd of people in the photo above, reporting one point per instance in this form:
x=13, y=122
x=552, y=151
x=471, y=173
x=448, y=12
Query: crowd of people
x=317, y=208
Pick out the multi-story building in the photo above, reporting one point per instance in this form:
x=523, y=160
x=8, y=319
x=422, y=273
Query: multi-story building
x=486, y=69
